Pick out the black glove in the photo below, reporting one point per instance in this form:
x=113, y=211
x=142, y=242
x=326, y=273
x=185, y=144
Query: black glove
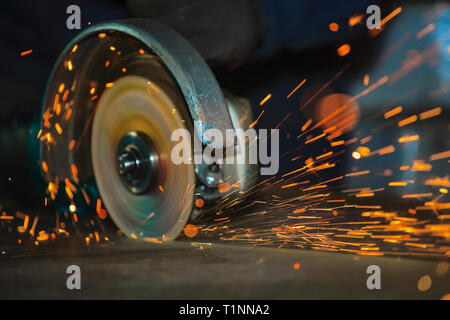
x=225, y=32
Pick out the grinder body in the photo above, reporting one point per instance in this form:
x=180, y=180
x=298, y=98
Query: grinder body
x=116, y=94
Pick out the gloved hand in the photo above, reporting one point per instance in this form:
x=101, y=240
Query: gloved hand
x=225, y=32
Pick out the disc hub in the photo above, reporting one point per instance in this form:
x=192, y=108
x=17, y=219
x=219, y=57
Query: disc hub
x=137, y=162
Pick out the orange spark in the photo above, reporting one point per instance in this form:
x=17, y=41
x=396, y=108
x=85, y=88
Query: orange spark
x=439, y=156
x=224, y=187
x=265, y=99
x=407, y=121
x=290, y=185
x=393, y=112
x=417, y=195
x=58, y=128
x=86, y=197
x=391, y=15
x=324, y=155
x=66, y=94
x=190, y=230
x=366, y=139
x=385, y=150
x=154, y=87
x=408, y=138
x=306, y=125
x=101, y=212
x=398, y=183
x=359, y=173
x=333, y=26
x=366, y=80
x=337, y=143
x=419, y=165
x=424, y=283
x=199, y=203
x=344, y=50
x=44, y=166
x=364, y=195
x=363, y=151
x=74, y=169
x=428, y=29
x=24, y=53
x=256, y=121
x=49, y=137
x=72, y=144
x=315, y=138
x=69, y=192
x=430, y=113
x=292, y=172
x=356, y=155
x=315, y=187
x=296, y=88
x=356, y=19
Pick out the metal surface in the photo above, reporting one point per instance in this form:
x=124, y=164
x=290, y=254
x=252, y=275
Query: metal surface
x=123, y=269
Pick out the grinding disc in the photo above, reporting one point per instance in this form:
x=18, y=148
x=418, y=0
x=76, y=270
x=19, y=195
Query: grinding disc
x=162, y=211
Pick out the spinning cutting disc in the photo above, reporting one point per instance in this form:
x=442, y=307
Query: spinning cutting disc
x=161, y=209
x=115, y=95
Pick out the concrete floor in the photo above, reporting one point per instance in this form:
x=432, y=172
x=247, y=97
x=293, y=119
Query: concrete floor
x=124, y=269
